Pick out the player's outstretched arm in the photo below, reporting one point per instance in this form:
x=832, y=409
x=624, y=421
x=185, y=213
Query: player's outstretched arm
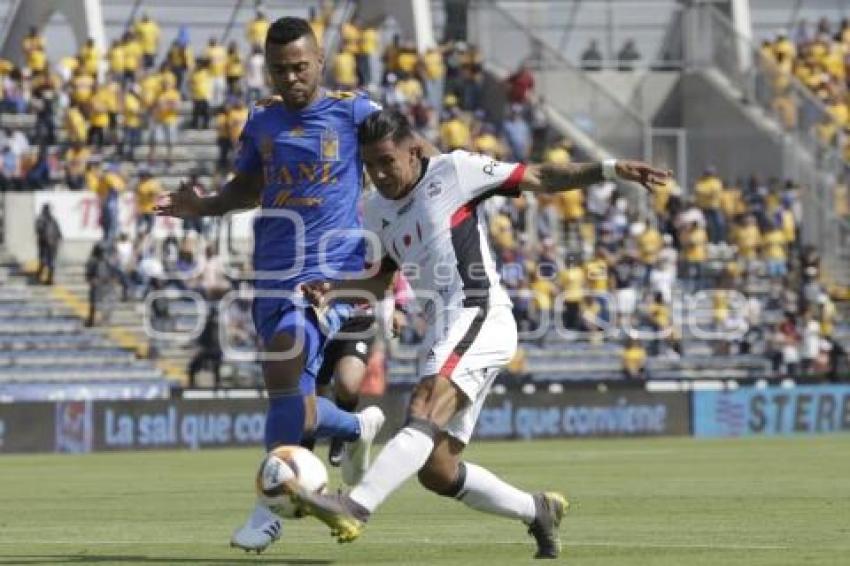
x=369, y=288
x=241, y=192
x=555, y=177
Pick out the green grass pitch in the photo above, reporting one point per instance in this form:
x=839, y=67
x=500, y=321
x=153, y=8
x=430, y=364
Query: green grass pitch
x=634, y=502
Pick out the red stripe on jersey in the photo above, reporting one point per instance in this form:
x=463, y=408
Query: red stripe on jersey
x=462, y=214
x=449, y=365
x=512, y=182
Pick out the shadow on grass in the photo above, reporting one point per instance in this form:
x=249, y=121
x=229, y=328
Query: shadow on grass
x=24, y=559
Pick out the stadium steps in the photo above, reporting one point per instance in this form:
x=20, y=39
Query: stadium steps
x=125, y=325
x=42, y=339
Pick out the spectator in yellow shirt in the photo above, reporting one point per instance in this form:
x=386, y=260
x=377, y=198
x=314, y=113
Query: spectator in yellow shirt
x=234, y=71
x=410, y=87
x=350, y=35
x=92, y=176
x=217, y=56
x=179, y=59
x=634, y=360
x=695, y=244
x=775, y=253
x=345, y=71
x=660, y=322
x=256, y=30
x=318, y=22
x=98, y=117
x=165, y=117
x=407, y=58
x=559, y=153
x=115, y=56
x=487, y=143
x=367, y=54
x=150, y=86
x=148, y=33
x=131, y=111
x=147, y=191
x=708, y=192
x=543, y=291
x=435, y=76
x=222, y=140
x=111, y=185
x=201, y=87
x=572, y=280
x=76, y=125
x=748, y=239
x=571, y=205
x=76, y=158
x=454, y=132
x=502, y=231
x=661, y=196
x=237, y=115
x=90, y=57
x=649, y=244
x=132, y=56
x=34, y=51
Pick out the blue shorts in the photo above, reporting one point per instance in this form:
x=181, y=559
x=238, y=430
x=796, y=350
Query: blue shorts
x=294, y=316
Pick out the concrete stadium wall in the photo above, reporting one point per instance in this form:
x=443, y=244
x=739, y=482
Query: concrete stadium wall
x=721, y=134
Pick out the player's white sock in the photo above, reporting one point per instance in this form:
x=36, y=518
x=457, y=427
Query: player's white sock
x=402, y=457
x=483, y=491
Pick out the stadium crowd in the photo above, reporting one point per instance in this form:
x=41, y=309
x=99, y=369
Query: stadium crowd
x=593, y=265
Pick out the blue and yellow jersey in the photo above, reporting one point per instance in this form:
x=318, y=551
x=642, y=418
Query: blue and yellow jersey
x=313, y=174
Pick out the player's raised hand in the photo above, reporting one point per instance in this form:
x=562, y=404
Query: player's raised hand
x=642, y=173
x=182, y=203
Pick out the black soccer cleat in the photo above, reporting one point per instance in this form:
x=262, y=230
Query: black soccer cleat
x=550, y=507
x=335, y=452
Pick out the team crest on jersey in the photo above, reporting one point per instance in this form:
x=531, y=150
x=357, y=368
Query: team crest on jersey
x=330, y=146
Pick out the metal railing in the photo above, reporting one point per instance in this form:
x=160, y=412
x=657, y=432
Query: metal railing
x=506, y=42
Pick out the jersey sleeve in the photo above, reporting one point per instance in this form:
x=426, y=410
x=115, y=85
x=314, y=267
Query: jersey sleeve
x=480, y=176
x=248, y=158
x=364, y=107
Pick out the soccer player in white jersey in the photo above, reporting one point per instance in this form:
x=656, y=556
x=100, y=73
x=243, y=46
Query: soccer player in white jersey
x=426, y=213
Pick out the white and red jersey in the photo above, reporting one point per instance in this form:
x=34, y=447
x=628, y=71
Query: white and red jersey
x=437, y=234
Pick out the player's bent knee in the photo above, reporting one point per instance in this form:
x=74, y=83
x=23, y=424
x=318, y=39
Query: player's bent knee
x=443, y=481
x=423, y=425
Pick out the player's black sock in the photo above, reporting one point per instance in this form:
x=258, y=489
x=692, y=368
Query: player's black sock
x=347, y=405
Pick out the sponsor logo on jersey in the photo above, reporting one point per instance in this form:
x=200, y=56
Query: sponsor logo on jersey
x=490, y=168
x=434, y=188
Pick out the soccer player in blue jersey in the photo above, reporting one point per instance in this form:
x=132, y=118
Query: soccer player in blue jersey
x=299, y=160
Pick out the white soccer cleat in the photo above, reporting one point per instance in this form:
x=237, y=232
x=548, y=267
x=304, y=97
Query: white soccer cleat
x=355, y=459
x=261, y=529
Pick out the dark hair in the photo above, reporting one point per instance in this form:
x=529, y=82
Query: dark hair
x=384, y=124
x=286, y=30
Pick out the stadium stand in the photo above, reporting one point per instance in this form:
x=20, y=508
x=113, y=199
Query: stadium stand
x=635, y=286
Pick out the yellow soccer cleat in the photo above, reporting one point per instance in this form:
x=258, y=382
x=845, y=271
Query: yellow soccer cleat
x=345, y=518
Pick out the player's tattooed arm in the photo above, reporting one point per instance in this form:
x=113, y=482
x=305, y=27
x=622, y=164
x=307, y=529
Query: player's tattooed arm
x=242, y=192
x=556, y=177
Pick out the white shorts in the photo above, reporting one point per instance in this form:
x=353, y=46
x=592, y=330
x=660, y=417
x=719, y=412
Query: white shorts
x=471, y=351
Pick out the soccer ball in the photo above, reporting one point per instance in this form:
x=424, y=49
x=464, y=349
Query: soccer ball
x=284, y=467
